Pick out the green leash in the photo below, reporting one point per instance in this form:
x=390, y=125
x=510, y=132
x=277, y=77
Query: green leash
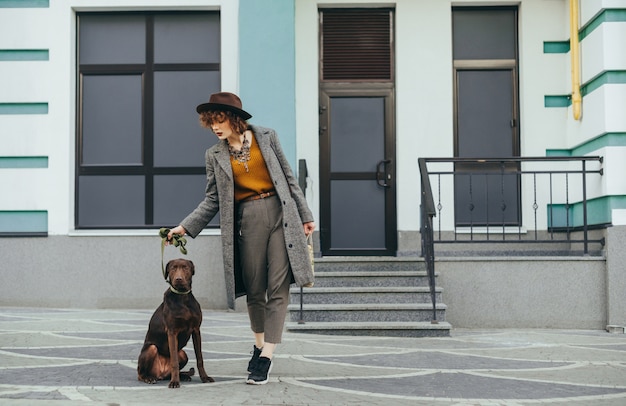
x=177, y=240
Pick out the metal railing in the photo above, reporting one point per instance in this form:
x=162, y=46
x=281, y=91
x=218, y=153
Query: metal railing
x=428, y=247
x=547, y=176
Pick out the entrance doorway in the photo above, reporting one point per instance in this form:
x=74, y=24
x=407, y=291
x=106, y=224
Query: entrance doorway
x=357, y=172
x=486, y=115
x=357, y=133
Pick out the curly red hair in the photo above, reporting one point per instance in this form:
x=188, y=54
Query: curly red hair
x=237, y=123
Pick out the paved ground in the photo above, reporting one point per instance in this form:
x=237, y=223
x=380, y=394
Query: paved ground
x=88, y=357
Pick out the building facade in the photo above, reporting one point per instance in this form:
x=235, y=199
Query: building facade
x=100, y=147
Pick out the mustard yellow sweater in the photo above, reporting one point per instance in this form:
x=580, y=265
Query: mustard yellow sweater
x=257, y=180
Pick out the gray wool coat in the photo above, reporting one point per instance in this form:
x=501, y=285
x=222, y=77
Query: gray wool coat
x=220, y=197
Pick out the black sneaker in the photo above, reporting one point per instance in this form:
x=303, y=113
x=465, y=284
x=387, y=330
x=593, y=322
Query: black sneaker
x=261, y=374
x=256, y=353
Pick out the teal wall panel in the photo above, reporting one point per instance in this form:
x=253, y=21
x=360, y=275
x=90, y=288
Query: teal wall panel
x=23, y=108
x=604, y=78
x=23, y=162
x=24, y=3
x=605, y=16
x=598, y=212
x=267, y=67
x=602, y=141
x=557, y=101
x=24, y=55
x=23, y=222
x=555, y=47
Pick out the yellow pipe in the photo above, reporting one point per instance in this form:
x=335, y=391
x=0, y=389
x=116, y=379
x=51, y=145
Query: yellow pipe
x=573, y=45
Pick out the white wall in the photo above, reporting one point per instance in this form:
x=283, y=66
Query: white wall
x=424, y=97
x=307, y=105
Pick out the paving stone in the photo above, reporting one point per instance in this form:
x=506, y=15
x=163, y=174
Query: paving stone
x=58, y=357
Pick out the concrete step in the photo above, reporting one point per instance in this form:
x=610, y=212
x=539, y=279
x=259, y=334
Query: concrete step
x=388, y=329
x=366, y=264
x=370, y=278
x=369, y=312
x=385, y=296
x=365, y=294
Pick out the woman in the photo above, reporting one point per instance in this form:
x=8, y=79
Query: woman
x=264, y=220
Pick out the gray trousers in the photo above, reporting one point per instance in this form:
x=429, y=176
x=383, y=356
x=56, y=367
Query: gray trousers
x=265, y=265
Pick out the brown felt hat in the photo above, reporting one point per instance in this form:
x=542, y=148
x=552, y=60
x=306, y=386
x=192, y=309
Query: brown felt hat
x=224, y=101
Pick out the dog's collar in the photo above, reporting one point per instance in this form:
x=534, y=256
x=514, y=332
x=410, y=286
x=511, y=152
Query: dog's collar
x=178, y=292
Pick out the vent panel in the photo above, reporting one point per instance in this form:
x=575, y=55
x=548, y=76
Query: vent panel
x=356, y=44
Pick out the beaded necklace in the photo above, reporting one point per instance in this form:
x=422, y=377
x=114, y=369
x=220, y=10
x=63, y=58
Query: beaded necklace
x=242, y=156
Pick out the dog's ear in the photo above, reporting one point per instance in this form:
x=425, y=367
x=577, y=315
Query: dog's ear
x=167, y=271
x=192, y=266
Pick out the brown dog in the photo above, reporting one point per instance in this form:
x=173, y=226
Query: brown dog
x=173, y=322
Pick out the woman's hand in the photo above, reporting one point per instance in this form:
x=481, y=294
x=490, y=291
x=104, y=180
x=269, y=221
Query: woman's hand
x=309, y=227
x=176, y=230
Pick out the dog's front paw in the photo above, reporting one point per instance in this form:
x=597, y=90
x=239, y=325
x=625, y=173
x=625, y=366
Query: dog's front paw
x=203, y=375
x=149, y=380
x=206, y=378
x=174, y=384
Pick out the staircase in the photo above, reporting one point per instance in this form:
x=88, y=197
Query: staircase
x=381, y=296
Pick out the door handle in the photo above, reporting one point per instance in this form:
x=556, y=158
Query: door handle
x=381, y=168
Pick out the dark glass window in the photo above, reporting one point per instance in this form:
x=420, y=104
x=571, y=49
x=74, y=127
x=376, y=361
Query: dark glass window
x=484, y=33
x=139, y=157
